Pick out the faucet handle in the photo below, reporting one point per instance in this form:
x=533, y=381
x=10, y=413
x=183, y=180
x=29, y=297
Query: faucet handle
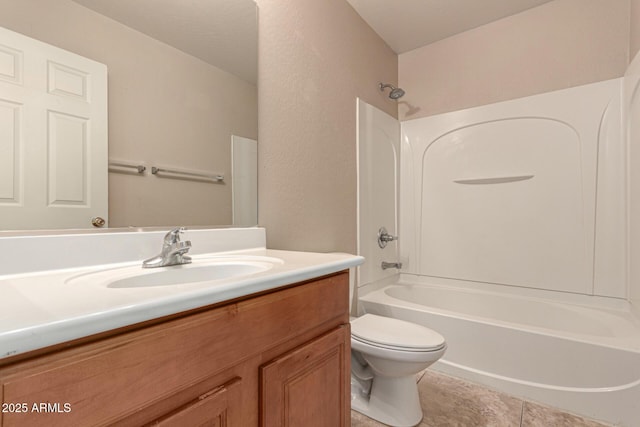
x=173, y=236
x=384, y=237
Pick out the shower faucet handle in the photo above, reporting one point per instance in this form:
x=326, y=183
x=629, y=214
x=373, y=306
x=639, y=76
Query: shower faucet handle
x=384, y=237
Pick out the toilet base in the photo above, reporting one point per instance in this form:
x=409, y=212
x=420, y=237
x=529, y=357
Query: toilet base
x=393, y=401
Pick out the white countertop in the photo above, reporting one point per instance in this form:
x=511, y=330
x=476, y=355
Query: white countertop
x=43, y=308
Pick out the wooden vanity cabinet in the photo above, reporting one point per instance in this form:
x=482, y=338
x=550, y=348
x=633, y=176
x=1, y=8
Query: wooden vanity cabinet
x=280, y=358
x=303, y=384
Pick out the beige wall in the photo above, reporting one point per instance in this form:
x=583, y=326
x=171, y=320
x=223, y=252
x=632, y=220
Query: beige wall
x=165, y=107
x=315, y=58
x=634, y=29
x=557, y=45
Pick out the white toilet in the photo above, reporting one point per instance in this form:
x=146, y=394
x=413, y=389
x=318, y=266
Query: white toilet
x=386, y=355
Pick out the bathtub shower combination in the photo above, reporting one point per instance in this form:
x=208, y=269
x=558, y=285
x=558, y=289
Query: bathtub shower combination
x=581, y=359
x=512, y=231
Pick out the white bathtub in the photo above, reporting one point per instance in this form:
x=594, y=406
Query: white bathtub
x=581, y=359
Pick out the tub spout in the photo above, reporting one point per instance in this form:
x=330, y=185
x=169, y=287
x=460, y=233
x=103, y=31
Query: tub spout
x=386, y=265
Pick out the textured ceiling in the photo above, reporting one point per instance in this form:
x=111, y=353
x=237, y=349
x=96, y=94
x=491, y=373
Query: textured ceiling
x=408, y=24
x=223, y=33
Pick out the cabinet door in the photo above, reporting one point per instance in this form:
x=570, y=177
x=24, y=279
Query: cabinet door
x=208, y=410
x=309, y=386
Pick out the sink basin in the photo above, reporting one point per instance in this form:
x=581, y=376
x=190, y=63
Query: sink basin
x=181, y=275
x=201, y=270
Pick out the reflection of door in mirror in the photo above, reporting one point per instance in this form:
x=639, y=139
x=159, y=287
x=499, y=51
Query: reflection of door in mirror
x=53, y=136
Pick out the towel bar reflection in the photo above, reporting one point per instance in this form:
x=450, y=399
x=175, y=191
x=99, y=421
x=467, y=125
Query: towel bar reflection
x=186, y=174
x=125, y=167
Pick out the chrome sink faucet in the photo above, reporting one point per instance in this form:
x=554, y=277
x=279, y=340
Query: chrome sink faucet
x=173, y=251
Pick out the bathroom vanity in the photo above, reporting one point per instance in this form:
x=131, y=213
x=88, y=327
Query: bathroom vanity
x=256, y=350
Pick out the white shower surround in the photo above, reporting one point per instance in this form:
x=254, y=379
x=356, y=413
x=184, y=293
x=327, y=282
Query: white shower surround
x=511, y=193
x=596, y=291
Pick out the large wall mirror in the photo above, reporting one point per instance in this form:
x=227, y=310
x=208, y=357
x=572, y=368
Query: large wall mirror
x=181, y=78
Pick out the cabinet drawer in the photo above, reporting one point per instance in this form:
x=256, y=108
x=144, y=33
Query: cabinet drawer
x=104, y=382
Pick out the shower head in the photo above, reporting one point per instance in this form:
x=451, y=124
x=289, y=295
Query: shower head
x=395, y=93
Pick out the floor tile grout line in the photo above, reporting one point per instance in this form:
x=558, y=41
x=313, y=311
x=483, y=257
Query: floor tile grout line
x=521, y=412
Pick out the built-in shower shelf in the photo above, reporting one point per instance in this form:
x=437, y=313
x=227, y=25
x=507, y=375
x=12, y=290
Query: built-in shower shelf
x=493, y=180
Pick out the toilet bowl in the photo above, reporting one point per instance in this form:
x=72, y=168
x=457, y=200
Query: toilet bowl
x=386, y=355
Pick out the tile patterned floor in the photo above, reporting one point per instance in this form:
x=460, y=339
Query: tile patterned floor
x=450, y=402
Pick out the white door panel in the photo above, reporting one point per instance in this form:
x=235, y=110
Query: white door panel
x=53, y=136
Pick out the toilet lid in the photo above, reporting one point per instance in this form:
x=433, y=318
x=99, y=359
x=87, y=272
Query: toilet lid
x=395, y=333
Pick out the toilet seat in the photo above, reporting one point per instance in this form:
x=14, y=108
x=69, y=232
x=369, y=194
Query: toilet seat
x=396, y=348
x=395, y=334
